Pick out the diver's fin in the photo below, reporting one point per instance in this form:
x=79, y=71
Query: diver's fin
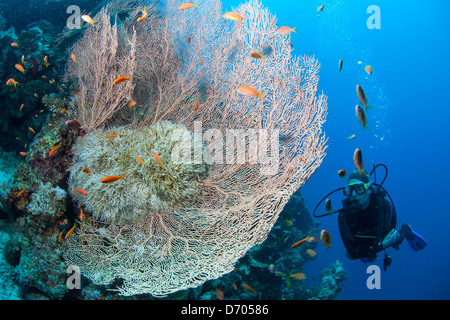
x=415, y=240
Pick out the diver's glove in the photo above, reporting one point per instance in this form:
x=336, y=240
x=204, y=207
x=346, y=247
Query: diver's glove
x=415, y=241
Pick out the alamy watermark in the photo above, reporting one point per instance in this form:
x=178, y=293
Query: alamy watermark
x=234, y=146
x=374, y=21
x=74, y=279
x=74, y=20
x=374, y=280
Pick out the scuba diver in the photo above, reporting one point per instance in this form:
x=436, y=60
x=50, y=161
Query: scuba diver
x=367, y=220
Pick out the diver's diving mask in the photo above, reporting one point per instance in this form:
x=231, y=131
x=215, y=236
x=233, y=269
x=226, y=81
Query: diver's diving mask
x=359, y=188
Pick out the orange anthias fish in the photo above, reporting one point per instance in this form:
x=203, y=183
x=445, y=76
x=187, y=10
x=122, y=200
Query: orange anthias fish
x=187, y=5
x=357, y=159
x=300, y=242
x=21, y=192
x=22, y=153
x=81, y=214
x=144, y=15
x=342, y=173
x=298, y=276
x=157, y=158
x=359, y=112
x=326, y=238
x=73, y=57
x=112, y=135
x=86, y=170
x=285, y=30
x=196, y=105
x=320, y=8
x=311, y=253
x=70, y=231
x=111, y=178
x=52, y=152
x=46, y=61
x=121, y=79
x=11, y=82
x=249, y=289
x=249, y=91
x=139, y=160
x=233, y=16
x=257, y=55
x=32, y=130
x=14, y=44
x=20, y=68
x=220, y=294
x=362, y=97
x=81, y=191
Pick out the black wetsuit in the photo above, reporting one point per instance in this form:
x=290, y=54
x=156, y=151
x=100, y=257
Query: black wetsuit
x=363, y=230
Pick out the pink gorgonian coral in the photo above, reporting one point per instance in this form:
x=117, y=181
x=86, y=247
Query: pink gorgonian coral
x=253, y=153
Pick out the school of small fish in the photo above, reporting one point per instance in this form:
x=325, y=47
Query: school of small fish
x=245, y=90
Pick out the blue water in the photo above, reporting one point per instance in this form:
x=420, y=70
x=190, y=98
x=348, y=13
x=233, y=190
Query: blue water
x=408, y=128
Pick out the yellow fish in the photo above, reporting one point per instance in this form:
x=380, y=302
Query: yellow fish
x=249, y=91
x=32, y=130
x=46, y=61
x=88, y=19
x=144, y=15
x=326, y=238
